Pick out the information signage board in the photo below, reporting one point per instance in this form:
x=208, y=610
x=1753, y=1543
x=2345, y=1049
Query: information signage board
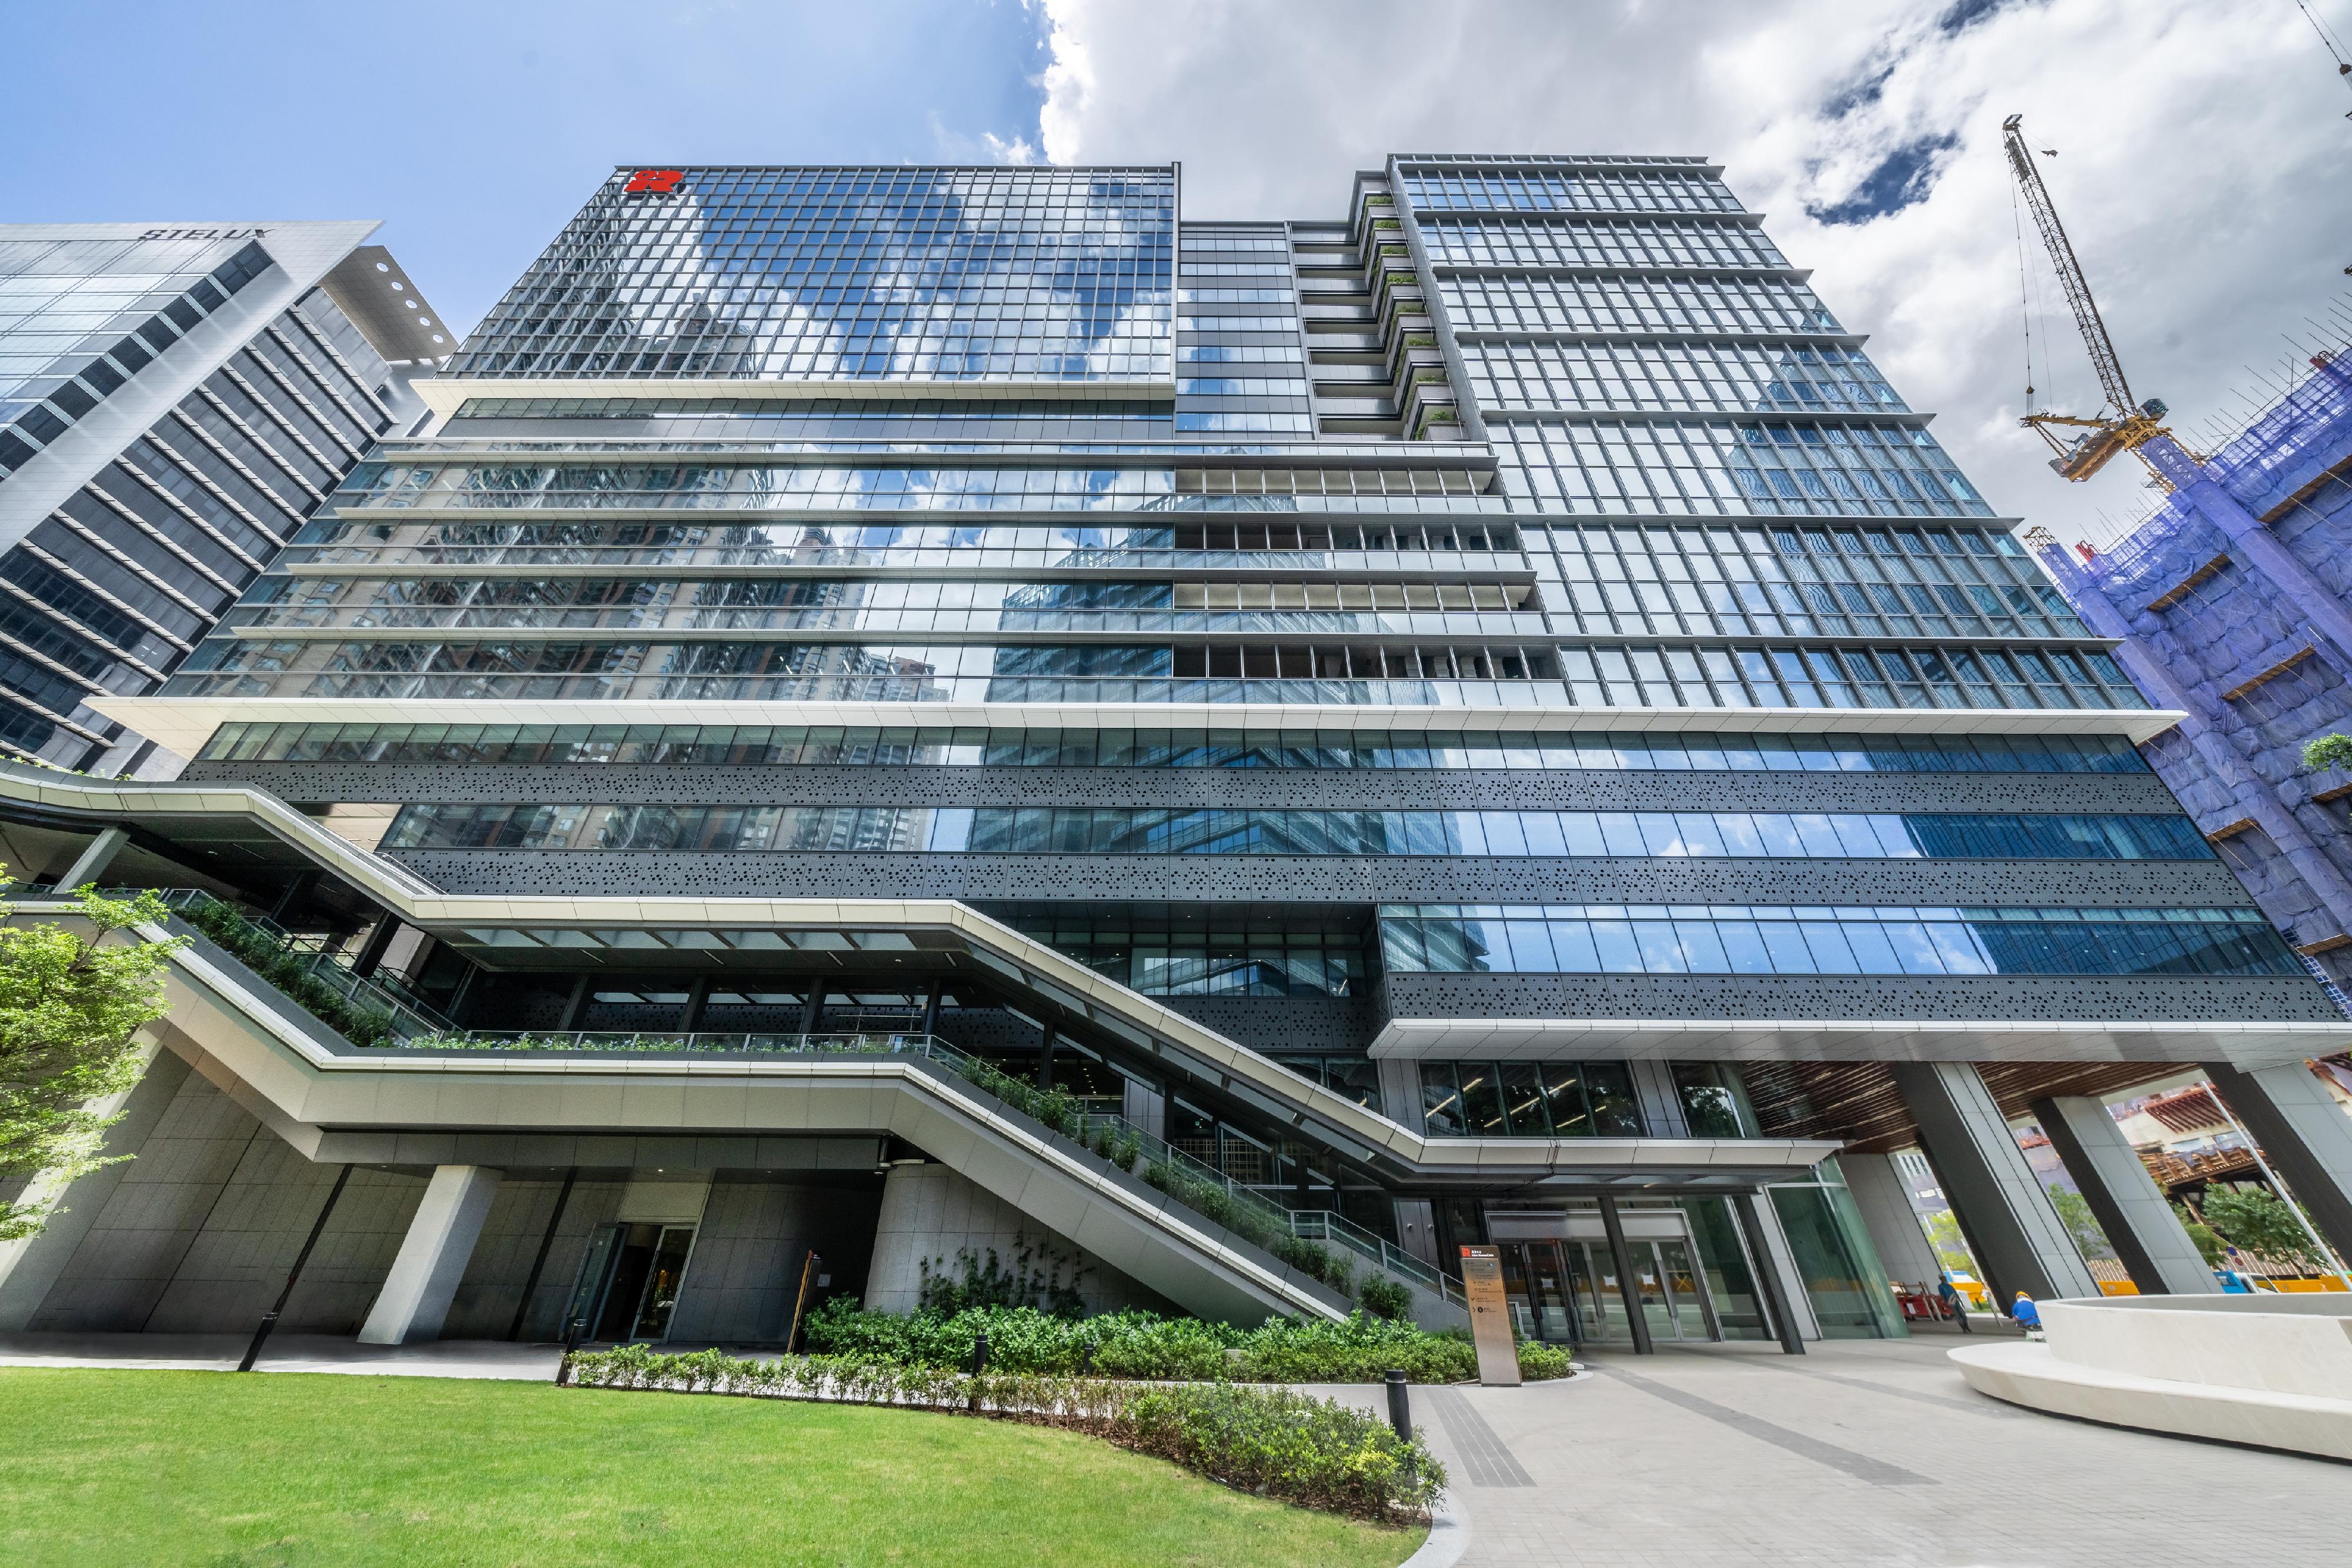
x=1490, y=1317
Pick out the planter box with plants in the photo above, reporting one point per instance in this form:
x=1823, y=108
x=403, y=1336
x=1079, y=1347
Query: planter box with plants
x=1026, y=1338
x=1317, y=1453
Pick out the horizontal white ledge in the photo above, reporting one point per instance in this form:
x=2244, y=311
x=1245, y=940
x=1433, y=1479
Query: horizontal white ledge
x=445, y=395
x=184, y=724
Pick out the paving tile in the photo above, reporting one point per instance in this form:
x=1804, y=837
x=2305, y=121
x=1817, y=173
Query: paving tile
x=1864, y=1453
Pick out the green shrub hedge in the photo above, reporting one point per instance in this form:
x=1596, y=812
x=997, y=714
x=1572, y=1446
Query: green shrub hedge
x=1360, y=1349
x=1315, y=1452
x=265, y=957
x=1260, y=1226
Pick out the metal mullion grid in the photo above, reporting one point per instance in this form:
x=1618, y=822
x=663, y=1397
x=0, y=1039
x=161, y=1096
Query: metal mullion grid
x=27, y=597
x=213, y=445
x=213, y=400
x=279, y=415
x=71, y=575
x=172, y=545
x=57, y=666
x=1629, y=303
x=92, y=538
x=203, y=481
x=187, y=513
x=1565, y=446
x=326, y=346
x=1795, y=572
x=10, y=694
x=1739, y=676
x=1542, y=375
x=325, y=383
x=1585, y=242
x=1514, y=191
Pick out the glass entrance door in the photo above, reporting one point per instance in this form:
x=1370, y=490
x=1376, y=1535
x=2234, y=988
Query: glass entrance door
x=629, y=1281
x=1673, y=1294
x=1535, y=1283
x=1687, y=1298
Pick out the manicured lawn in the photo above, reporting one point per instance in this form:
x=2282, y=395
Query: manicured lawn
x=256, y=1472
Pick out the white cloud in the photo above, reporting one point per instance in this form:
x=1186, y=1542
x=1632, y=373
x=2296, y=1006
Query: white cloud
x=2201, y=150
x=1019, y=150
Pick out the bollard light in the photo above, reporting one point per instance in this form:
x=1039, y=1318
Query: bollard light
x=1400, y=1406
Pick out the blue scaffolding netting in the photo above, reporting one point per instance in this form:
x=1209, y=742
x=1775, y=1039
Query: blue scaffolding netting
x=2261, y=679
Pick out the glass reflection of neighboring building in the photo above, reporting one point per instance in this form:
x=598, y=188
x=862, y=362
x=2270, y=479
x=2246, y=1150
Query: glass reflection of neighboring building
x=175, y=401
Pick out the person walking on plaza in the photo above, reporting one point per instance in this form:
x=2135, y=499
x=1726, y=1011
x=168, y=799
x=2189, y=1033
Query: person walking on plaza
x=1950, y=1295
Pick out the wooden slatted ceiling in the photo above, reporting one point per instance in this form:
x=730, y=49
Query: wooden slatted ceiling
x=1857, y=1101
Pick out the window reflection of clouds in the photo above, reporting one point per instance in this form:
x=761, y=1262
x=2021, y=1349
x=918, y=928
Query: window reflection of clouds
x=940, y=274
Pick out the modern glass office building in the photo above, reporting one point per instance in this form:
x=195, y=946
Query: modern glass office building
x=176, y=400
x=1482, y=722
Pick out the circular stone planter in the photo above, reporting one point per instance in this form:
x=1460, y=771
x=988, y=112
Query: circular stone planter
x=2271, y=1371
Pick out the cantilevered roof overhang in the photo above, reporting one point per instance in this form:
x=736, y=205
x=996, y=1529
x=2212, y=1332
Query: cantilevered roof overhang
x=2248, y=1045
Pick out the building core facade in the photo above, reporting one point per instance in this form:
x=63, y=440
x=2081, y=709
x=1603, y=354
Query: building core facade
x=1483, y=722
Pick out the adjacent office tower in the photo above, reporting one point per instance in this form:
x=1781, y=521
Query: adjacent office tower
x=175, y=400
x=1485, y=722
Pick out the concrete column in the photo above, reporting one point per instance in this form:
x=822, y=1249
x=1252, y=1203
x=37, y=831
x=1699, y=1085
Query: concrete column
x=2152, y=673
x=298, y=888
x=30, y=1265
x=1885, y=1199
x=574, y=1006
x=1401, y=1092
x=416, y=1297
x=2306, y=1139
x=1416, y=1223
x=1145, y=1106
x=372, y=951
x=1661, y=1102
x=1778, y=1278
x=2131, y=1208
x=1995, y=1194
x=91, y=864
x=1629, y=1289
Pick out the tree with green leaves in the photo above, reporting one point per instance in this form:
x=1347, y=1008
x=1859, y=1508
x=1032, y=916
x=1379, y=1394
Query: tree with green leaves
x=71, y=1006
x=2327, y=751
x=1951, y=1248
x=2075, y=1213
x=2201, y=1236
x=2256, y=1221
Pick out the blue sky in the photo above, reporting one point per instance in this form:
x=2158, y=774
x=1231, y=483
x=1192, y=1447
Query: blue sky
x=475, y=130
x=2203, y=142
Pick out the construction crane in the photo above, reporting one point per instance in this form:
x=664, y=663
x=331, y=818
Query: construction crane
x=2131, y=424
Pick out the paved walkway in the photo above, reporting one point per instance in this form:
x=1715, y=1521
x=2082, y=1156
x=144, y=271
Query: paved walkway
x=283, y=1353
x=1864, y=1453
x=1869, y=1454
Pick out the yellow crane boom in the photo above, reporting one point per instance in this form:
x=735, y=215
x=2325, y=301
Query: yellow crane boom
x=2129, y=425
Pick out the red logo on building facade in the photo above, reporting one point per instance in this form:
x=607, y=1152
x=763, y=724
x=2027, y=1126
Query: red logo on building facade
x=653, y=182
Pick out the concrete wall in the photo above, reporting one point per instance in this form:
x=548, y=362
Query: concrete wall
x=200, y=1230
x=929, y=1214
x=756, y=1234
x=486, y=1300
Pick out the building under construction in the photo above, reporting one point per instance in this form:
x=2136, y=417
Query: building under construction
x=2233, y=602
